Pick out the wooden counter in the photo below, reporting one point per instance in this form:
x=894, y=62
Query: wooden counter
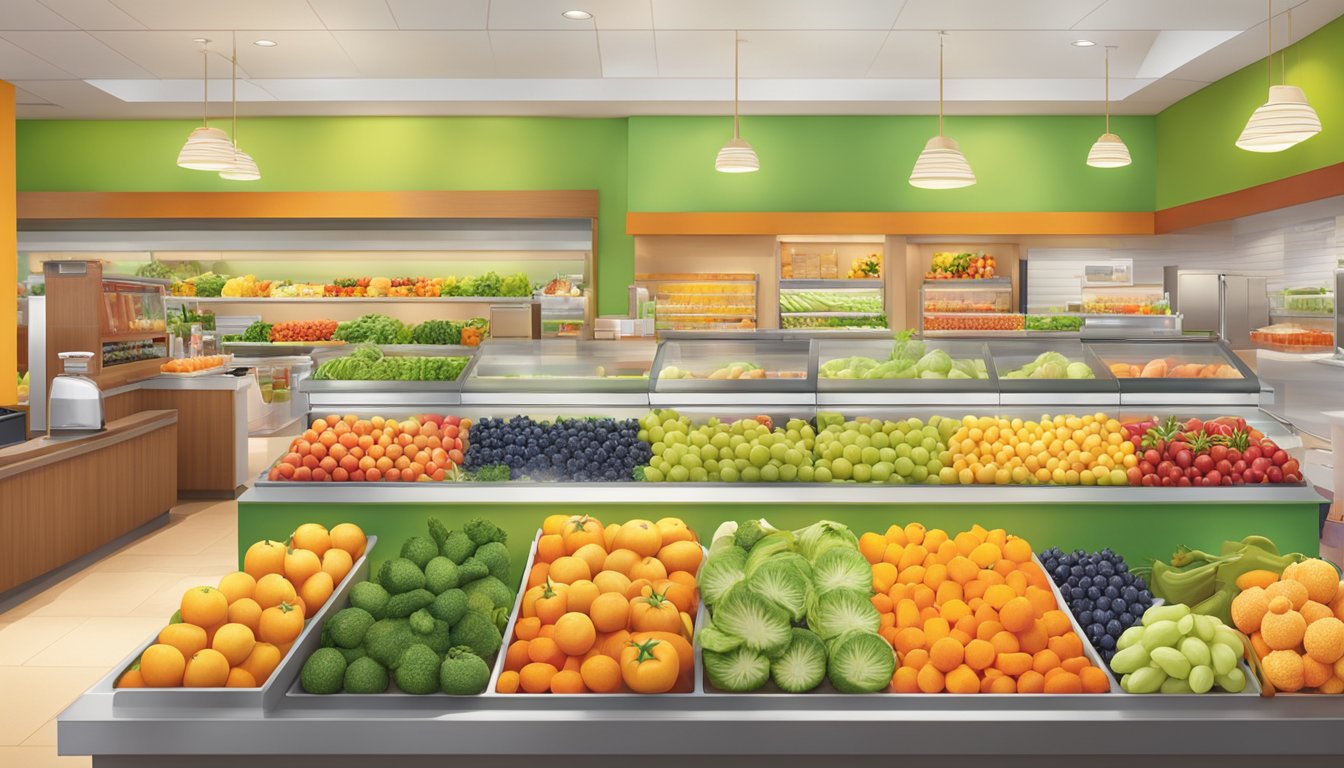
x=62, y=499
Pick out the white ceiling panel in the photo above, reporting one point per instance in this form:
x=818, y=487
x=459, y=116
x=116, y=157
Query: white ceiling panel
x=419, y=53
x=907, y=54
x=1165, y=91
x=93, y=14
x=78, y=53
x=628, y=53
x=694, y=54
x=1182, y=14
x=30, y=14
x=1041, y=54
x=173, y=54
x=994, y=14
x=354, y=14
x=545, y=54
x=296, y=54
x=222, y=14
x=440, y=14
x=18, y=64
x=812, y=54
x=25, y=97
x=545, y=14
x=775, y=14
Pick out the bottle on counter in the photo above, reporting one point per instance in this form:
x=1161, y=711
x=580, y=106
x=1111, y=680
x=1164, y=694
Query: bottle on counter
x=197, y=345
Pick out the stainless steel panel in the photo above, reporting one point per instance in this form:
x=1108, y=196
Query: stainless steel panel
x=1200, y=297
x=579, y=397
x=37, y=364
x=948, y=399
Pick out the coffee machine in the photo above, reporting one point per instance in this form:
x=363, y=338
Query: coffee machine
x=75, y=406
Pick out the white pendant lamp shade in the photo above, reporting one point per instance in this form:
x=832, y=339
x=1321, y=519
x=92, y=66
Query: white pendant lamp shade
x=1109, y=152
x=737, y=156
x=1283, y=121
x=941, y=166
x=207, y=149
x=242, y=168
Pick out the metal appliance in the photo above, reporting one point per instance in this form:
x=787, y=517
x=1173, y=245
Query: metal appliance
x=1210, y=302
x=75, y=406
x=1339, y=314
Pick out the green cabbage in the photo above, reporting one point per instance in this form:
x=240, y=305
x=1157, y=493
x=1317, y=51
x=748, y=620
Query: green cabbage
x=831, y=614
x=860, y=662
x=936, y=361
x=720, y=573
x=823, y=535
x=739, y=670
x=781, y=583
x=802, y=665
x=762, y=625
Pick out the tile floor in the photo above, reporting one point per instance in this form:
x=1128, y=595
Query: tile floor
x=56, y=644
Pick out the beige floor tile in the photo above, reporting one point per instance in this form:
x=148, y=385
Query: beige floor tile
x=98, y=642
x=43, y=737
x=166, y=600
x=96, y=585
x=46, y=692
x=24, y=639
x=178, y=565
x=178, y=539
x=40, y=757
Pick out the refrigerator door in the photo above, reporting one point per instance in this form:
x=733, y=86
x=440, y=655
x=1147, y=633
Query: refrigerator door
x=1198, y=298
x=1246, y=308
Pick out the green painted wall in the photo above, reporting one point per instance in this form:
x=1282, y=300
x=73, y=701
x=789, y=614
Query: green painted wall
x=863, y=164
x=356, y=153
x=1196, y=136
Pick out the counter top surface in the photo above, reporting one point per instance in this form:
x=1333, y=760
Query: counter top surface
x=43, y=450
x=212, y=383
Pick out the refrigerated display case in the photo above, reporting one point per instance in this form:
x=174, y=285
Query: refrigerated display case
x=364, y=393
x=1197, y=371
x=858, y=373
x=1125, y=300
x=990, y=295
x=732, y=371
x=559, y=372
x=701, y=302
x=1059, y=373
x=832, y=304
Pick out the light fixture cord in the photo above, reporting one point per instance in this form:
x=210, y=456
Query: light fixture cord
x=205, y=84
x=1269, y=5
x=736, y=46
x=234, y=92
x=1283, y=60
x=1108, y=88
x=941, y=35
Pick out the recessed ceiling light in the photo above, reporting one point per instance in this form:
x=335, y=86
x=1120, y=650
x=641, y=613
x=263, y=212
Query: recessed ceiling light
x=265, y=43
x=577, y=15
x=201, y=40
x=1082, y=43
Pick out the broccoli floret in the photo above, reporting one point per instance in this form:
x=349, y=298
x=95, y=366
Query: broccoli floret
x=440, y=575
x=480, y=603
x=437, y=531
x=371, y=597
x=422, y=623
x=457, y=547
x=327, y=641
x=501, y=617
x=403, y=605
x=478, y=632
x=748, y=533
x=401, y=575
x=449, y=607
x=471, y=570
x=496, y=557
x=493, y=473
x=387, y=639
x=348, y=626
x=418, y=672
x=463, y=673
x=364, y=675
x=437, y=638
x=351, y=654
x=323, y=672
x=483, y=532
x=419, y=550
x=499, y=594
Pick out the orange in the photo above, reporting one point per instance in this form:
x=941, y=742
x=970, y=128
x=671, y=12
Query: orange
x=262, y=661
x=948, y=591
x=930, y=679
x=1094, y=680
x=614, y=642
x=914, y=533
x=1013, y=664
x=204, y=606
x=908, y=639
x=549, y=547
x=1034, y=639
x=240, y=678
x=998, y=595
x=568, y=681
x=246, y=612
x=893, y=553
x=1017, y=550
x=954, y=611
x=315, y=592
x=873, y=546
x=610, y=611
x=161, y=666
x=508, y=682
x=1017, y=614
x=612, y=581
x=946, y=654
x=528, y=628
x=313, y=537
x=917, y=658
x=592, y=554
x=907, y=614
x=274, y=589
x=1064, y=682
x=582, y=593
x=1075, y=664
x=984, y=555
x=536, y=677
x=1056, y=622
x=206, y=669
x=281, y=624
x=186, y=638
x=301, y=564
x=264, y=557
x=553, y=524
x=980, y=654
x=237, y=586
x=547, y=651
x=650, y=568
x=1015, y=579
x=1041, y=598
x=130, y=679
x=575, y=633
x=1068, y=646
x=1031, y=681
x=681, y=556
x=234, y=642
x=674, y=529
x=515, y=658
x=961, y=569
x=905, y=680
x=583, y=529
x=641, y=536
x=934, y=575
x=922, y=595
x=336, y=562
x=569, y=569
x=934, y=538
x=1002, y=684
x=538, y=575
x=1044, y=661
x=962, y=680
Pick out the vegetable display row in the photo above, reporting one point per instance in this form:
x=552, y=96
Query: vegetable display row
x=371, y=328
x=489, y=284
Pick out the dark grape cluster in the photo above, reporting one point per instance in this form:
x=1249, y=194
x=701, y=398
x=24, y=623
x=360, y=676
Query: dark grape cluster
x=1104, y=596
x=568, y=450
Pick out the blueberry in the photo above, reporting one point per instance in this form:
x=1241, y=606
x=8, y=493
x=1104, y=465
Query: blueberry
x=1118, y=605
x=1085, y=582
x=1113, y=628
x=1078, y=593
x=1145, y=596
x=1103, y=602
x=1084, y=616
x=1093, y=593
x=1126, y=619
x=1104, y=617
x=1130, y=594
x=1107, y=643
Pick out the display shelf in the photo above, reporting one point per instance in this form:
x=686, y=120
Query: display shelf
x=134, y=336
x=835, y=284
x=351, y=299
x=831, y=314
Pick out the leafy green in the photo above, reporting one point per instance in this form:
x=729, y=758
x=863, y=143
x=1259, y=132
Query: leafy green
x=368, y=363
x=762, y=625
x=258, y=332
x=831, y=614
x=739, y=670
x=210, y=284
x=379, y=329
x=721, y=572
x=802, y=665
x=783, y=584
x=841, y=568
x=860, y=662
x=823, y=535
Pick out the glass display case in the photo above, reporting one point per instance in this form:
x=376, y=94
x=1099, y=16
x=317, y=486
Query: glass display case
x=1058, y=373
x=559, y=372
x=903, y=372
x=132, y=308
x=832, y=304
x=1200, y=371
x=356, y=377
x=1125, y=300
x=701, y=302
x=991, y=295
x=733, y=371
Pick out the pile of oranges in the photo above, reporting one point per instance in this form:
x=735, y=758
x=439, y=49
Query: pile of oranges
x=193, y=364
x=607, y=609
x=234, y=636
x=973, y=613
x=350, y=449
x=1065, y=450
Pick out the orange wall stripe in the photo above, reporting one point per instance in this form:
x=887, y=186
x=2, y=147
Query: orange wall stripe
x=1294, y=190
x=9, y=265
x=890, y=223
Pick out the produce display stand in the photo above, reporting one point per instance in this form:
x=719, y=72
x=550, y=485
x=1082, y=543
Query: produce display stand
x=361, y=396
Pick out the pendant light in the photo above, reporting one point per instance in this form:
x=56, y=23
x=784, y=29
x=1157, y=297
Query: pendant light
x=207, y=149
x=1286, y=119
x=243, y=167
x=1109, y=151
x=941, y=165
x=737, y=156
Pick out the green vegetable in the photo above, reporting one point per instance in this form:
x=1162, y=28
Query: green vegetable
x=471, y=570
x=210, y=285
x=437, y=332
x=840, y=568
x=720, y=573
x=350, y=654
x=400, y=575
x=370, y=596
x=802, y=665
x=711, y=638
x=368, y=363
x=1053, y=323
x=493, y=473
x=323, y=672
x=365, y=675
x=157, y=270
x=457, y=547
x=860, y=662
x=482, y=532
x=823, y=535
x=496, y=591
x=749, y=532
x=762, y=625
x=419, y=550
x=349, y=625
x=450, y=606
x=440, y=574
x=406, y=603
x=418, y=671
x=378, y=329
x=739, y=670
x=495, y=555
x=781, y=582
x=257, y=332
x=478, y=632
x=463, y=673
x=836, y=612
x=422, y=623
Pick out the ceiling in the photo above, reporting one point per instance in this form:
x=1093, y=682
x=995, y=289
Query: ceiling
x=136, y=58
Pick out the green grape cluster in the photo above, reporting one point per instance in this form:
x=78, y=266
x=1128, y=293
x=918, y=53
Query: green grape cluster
x=747, y=450
x=882, y=451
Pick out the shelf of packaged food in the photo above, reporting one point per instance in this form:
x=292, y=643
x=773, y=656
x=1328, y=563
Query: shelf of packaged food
x=134, y=336
x=352, y=299
x=799, y=284
x=704, y=314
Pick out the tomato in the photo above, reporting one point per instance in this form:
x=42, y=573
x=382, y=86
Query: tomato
x=654, y=613
x=580, y=530
x=650, y=667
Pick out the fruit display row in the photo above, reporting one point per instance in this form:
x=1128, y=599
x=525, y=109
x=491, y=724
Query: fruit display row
x=1315, y=300
x=866, y=321
x=1173, y=368
x=1175, y=650
x=1126, y=305
x=195, y=364
x=431, y=621
x=118, y=352
x=829, y=301
x=1295, y=619
x=1054, y=323
x=909, y=359
x=733, y=370
x=1221, y=451
x=865, y=267
x=568, y=450
x=1292, y=337
x=235, y=635
x=960, y=266
x=1051, y=365
x=490, y=284
x=974, y=322
x=607, y=609
x=368, y=363
x=349, y=449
